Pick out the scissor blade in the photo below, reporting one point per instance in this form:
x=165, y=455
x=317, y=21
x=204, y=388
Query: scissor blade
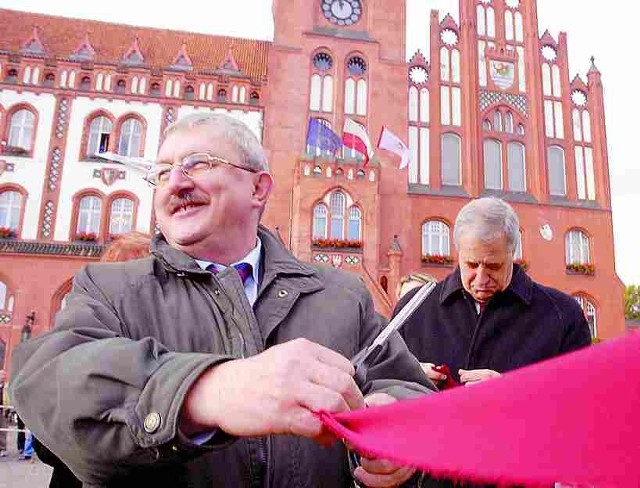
x=399, y=320
x=140, y=165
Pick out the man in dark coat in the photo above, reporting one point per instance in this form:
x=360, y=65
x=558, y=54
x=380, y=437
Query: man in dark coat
x=203, y=364
x=488, y=316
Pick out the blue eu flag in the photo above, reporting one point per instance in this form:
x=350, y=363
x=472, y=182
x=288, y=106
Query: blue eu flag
x=321, y=136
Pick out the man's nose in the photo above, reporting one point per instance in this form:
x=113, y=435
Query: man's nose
x=481, y=274
x=178, y=180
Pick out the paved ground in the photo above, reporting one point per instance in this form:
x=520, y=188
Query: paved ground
x=15, y=473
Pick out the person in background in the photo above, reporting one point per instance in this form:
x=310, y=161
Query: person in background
x=489, y=317
x=131, y=245
x=411, y=281
x=205, y=363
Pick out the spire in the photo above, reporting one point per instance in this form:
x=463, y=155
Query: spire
x=593, y=68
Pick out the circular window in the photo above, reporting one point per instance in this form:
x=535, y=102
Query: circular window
x=322, y=62
x=549, y=53
x=418, y=75
x=579, y=98
x=513, y=3
x=449, y=37
x=356, y=66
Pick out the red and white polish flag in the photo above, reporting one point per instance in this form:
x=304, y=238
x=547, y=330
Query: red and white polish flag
x=355, y=136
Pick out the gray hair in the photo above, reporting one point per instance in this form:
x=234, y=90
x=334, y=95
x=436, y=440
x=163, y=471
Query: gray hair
x=251, y=151
x=488, y=219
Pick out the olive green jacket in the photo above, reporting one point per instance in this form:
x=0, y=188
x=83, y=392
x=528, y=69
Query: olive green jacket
x=104, y=389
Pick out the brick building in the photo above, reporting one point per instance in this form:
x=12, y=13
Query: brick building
x=490, y=110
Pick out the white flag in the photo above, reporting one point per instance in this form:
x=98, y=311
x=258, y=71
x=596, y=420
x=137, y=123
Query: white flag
x=391, y=142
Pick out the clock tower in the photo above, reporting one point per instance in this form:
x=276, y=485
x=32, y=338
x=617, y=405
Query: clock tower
x=326, y=59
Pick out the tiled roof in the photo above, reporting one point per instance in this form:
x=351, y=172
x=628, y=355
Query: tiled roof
x=61, y=36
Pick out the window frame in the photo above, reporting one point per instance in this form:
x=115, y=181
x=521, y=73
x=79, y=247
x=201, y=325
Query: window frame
x=425, y=238
x=13, y=187
x=8, y=127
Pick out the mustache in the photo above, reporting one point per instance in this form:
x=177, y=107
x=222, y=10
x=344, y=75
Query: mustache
x=183, y=200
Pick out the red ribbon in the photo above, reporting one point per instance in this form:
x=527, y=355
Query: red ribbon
x=574, y=419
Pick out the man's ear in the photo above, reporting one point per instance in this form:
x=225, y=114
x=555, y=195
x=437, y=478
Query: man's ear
x=262, y=185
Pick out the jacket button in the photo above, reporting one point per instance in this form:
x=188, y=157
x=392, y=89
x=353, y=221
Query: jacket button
x=152, y=422
x=282, y=293
x=216, y=292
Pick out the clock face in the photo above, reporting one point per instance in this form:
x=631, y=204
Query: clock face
x=342, y=12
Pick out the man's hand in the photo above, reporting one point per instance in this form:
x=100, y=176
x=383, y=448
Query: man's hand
x=275, y=392
x=473, y=376
x=380, y=472
x=431, y=373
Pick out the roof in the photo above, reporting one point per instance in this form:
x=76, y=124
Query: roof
x=62, y=36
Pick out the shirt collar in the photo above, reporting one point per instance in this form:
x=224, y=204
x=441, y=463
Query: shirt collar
x=521, y=285
x=253, y=258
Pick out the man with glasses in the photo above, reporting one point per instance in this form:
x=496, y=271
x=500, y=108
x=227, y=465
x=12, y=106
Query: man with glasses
x=178, y=369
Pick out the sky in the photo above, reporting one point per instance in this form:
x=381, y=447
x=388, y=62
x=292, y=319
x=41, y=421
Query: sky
x=592, y=28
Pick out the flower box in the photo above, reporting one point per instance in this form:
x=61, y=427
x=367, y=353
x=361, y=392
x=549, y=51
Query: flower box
x=7, y=233
x=437, y=259
x=580, y=268
x=15, y=151
x=86, y=236
x=337, y=244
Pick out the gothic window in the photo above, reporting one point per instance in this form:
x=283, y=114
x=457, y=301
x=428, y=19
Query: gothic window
x=12, y=76
x=321, y=95
x=89, y=214
x=72, y=79
x=450, y=109
x=556, y=171
x=99, y=134
x=589, y=310
x=551, y=88
x=322, y=62
x=320, y=221
x=121, y=86
x=6, y=299
x=21, y=129
x=492, y=164
x=254, y=98
x=486, y=21
x=435, y=238
x=353, y=230
x=355, y=87
x=222, y=95
x=130, y=138
x=121, y=216
x=585, y=176
x=577, y=247
x=189, y=93
x=168, y=88
x=337, y=205
x=49, y=80
x=451, y=159
x=234, y=94
x=155, y=89
x=516, y=167
x=142, y=87
x=10, y=210
x=134, y=84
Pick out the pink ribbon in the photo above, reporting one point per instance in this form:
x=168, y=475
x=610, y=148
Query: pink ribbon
x=574, y=419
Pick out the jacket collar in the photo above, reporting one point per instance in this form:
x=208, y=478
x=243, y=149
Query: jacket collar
x=276, y=259
x=521, y=285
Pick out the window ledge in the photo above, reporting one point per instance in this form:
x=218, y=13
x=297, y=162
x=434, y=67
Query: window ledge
x=426, y=264
x=352, y=250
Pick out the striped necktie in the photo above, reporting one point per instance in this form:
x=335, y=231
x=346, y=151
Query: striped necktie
x=245, y=270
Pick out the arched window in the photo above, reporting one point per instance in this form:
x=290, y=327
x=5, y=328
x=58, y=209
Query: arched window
x=130, y=138
x=590, y=313
x=121, y=86
x=89, y=214
x=355, y=91
x=320, y=221
x=155, y=89
x=189, y=92
x=413, y=104
x=254, y=98
x=21, y=129
x=492, y=165
x=516, y=167
x=577, y=247
x=49, y=80
x=337, y=203
x=85, y=83
x=10, y=210
x=451, y=159
x=355, y=224
x=556, y=171
x=435, y=238
x=121, y=216
x=99, y=134
x=222, y=95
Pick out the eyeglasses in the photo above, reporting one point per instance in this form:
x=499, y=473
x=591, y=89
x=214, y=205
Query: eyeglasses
x=192, y=166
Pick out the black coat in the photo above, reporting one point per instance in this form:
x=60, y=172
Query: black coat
x=524, y=324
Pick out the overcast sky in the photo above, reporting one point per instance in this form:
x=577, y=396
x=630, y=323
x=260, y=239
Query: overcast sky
x=592, y=30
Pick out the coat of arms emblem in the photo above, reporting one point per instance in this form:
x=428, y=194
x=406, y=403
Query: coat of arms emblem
x=502, y=74
x=109, y=175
